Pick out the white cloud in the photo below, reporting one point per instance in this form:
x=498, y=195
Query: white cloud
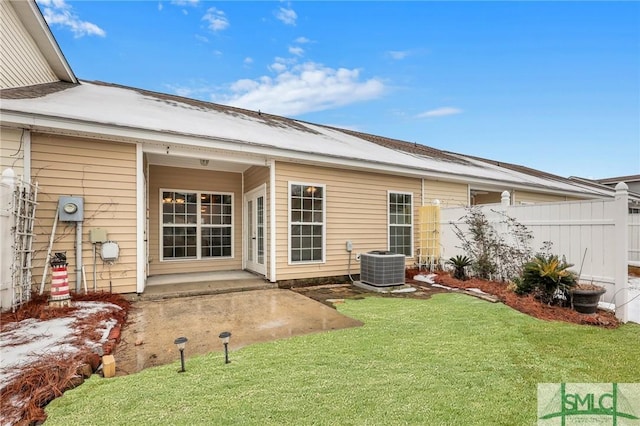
x=248, y=60
x=202, y=38
x=302, y=88
x=57, y=12
x=302, y=40
x=217, y=21
x=160, y=6
x=185, y=2
x=440, y=112
x=277, y=67
x=198, y=89
x=287, y=16
x=296, y=50
x=398, y=54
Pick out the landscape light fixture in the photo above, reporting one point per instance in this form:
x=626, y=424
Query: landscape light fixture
x=181, y=342
x=225, y=335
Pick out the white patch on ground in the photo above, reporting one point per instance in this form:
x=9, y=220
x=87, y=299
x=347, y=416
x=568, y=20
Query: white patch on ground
x=425, y=278
x=443, y=286
x=477, y=290
x=26, y=342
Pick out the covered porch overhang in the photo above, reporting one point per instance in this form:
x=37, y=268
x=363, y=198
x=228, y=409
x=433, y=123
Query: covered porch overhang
x=204, y=161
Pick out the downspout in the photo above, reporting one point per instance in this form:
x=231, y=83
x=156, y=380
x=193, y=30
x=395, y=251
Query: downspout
x=272, y=221
x=243, y=223
x=78, y=257
x=26, y=156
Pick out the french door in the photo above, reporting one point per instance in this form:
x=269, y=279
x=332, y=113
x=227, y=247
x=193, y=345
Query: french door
x=255, y=232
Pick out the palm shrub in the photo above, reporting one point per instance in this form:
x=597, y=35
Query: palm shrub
x=548, y=277
x=459, y=264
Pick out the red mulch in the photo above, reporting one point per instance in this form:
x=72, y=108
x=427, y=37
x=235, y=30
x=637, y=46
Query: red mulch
x=530, y=305
x=38, y=306
x=52, y=375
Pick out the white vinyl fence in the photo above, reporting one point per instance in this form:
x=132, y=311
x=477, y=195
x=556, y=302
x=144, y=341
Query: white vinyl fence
x=594, y=235
x=634, y=239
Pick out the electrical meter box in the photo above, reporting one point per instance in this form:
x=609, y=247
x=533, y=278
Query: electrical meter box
x=98, y=235
x=110, y=251
x=71, y=209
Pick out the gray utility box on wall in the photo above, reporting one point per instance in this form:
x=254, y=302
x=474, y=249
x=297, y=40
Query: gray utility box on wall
x=382, y=268
x=71, y=209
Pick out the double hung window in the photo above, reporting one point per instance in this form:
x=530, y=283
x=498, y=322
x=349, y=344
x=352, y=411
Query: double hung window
x=401, y=223
x=307, y=223
x=196, y=225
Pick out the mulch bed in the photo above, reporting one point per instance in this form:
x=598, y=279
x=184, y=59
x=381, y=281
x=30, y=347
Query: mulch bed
x=52, y=375
x=529, y=304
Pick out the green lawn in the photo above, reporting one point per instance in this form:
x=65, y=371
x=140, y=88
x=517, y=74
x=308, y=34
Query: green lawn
x=452, y=359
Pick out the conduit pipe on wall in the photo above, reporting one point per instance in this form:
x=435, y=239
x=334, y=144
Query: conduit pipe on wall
x=78, y=257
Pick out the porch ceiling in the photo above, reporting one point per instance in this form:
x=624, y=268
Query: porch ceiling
x=194, y=163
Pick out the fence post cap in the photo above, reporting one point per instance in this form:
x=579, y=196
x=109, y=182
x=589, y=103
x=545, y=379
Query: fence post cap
x=8, y=176
x=621, y=186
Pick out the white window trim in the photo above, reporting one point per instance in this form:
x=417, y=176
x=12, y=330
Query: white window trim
x=198, y=227
x=389, y=192
x=324, y=224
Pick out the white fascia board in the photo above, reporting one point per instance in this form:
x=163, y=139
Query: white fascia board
x=34, y=22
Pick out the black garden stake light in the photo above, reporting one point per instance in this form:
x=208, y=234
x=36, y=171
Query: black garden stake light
x=181, y=343
x=225, y=335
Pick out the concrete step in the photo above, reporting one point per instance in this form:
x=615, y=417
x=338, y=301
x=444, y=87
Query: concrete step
x=168, y=291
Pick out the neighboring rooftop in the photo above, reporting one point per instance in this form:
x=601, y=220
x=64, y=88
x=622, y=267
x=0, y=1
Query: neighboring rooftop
x=615, y=180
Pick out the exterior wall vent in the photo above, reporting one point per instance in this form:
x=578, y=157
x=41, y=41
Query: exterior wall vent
x=382, y=268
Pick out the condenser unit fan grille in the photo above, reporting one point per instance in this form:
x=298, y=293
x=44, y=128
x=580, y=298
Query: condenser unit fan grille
x=382, y=268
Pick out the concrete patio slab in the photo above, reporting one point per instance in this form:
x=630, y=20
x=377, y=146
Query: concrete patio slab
x=251, y=316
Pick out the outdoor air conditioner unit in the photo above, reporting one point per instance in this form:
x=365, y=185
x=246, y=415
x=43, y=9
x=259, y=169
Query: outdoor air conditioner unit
x=382, y=268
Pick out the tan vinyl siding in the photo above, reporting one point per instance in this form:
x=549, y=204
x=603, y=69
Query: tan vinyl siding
x=356, y=210
x=450, y=194
x=256, y=176
x=104, y=173
x=21, y=63
x=172, y=178
x=534, y=197
x=11, y=150
x=490, y=198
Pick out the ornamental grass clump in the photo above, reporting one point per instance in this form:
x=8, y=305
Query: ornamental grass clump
x=548, y=277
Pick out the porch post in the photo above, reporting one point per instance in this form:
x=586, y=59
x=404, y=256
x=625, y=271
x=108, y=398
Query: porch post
x=141, y=224
x=272, y=221
x=621, y=217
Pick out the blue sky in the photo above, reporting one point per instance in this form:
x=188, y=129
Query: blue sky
x=550, y=85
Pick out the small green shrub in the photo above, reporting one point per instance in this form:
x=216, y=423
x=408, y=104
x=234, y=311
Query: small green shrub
x=459, y=264
x=548, y=277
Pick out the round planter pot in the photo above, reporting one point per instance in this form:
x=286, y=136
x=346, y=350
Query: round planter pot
x=586, y=301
